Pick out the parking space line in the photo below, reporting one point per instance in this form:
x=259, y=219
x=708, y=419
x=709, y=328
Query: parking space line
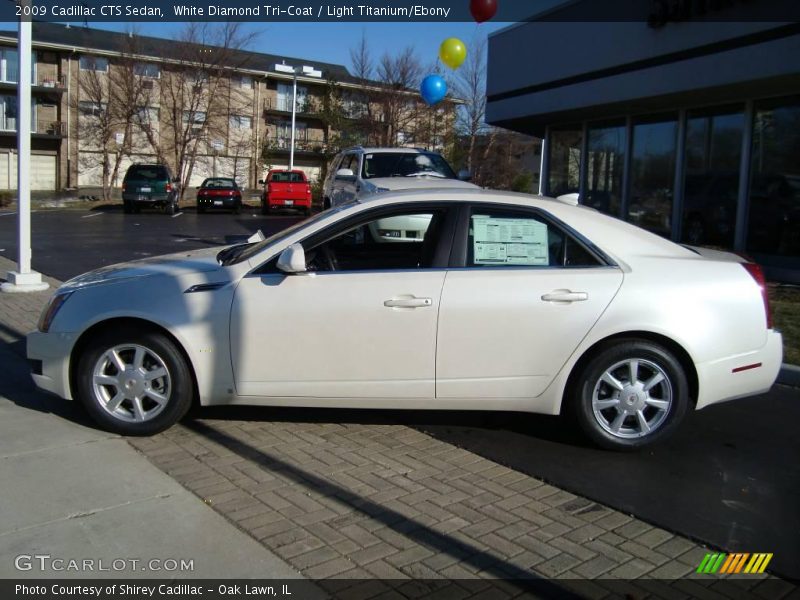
x=177, y=215
x=91, y=215
x=7, y=214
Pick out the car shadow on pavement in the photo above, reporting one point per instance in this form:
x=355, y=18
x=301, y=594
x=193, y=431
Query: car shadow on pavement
x=408, y=527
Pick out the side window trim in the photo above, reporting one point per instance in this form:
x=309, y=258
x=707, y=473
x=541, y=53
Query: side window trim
x=443, y=250
x=458, y=255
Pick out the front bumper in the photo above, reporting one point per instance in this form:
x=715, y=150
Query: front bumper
x=738, y=376
x=52, y=353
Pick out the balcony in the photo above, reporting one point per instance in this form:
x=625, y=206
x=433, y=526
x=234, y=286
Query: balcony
x=42, y=128
x=41, y=84
x=302, y=144
x=305, y=106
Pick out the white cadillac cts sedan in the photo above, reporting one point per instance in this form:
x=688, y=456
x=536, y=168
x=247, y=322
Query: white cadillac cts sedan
x=443, y=299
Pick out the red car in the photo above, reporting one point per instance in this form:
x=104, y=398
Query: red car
x=219, y=192
x=286, y=189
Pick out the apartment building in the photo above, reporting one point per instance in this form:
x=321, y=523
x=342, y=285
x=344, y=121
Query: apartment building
x=234, y=124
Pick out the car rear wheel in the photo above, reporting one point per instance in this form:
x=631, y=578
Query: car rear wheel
x=134, y=382
x=201, y=209
x=126, y=207
x=631, y=394
x=237, y=208
x=171, y=208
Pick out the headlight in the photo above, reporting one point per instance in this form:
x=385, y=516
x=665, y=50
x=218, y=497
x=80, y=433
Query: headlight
x=49, y=313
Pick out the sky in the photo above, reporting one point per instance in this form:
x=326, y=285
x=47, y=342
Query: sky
x=331, y=42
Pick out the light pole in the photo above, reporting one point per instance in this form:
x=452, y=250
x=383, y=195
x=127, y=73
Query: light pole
x=24, y=279
x=308, y=72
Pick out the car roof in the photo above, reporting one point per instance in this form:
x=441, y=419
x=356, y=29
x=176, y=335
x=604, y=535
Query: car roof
x=377, y=150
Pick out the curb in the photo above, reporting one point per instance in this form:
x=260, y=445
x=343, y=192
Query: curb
x=789, y=375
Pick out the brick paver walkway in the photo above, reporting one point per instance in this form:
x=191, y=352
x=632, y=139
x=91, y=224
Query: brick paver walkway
x=386, y=501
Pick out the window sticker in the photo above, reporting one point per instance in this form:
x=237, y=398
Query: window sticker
x=498, y=241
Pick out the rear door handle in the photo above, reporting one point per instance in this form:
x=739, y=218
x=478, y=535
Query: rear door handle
x=565, y=296
x=408, y=302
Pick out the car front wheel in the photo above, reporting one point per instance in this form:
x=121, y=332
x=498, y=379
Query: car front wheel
x=134, y=382
x=631, y=394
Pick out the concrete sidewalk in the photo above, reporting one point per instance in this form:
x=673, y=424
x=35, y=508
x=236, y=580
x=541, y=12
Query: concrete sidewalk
x=73, y=492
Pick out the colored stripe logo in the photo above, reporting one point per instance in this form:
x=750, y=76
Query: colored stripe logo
x=727, y=564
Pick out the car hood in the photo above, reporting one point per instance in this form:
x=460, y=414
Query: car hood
x=419, y=182
x=180, y=263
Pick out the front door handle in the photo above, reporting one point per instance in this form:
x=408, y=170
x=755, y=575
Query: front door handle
x=408, y=302
x=565, y=296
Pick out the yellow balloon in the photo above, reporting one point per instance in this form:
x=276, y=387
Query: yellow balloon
x=453, y=52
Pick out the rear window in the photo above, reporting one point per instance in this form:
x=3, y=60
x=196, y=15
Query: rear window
x=219, y=183
x=287, y=177
x=405, y=164
x=153, y=172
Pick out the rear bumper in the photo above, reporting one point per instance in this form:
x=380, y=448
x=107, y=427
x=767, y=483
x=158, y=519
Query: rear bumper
x=742, y=375
x=278, y=202
x=146, y=198
x=211, y=202
x=49, y=353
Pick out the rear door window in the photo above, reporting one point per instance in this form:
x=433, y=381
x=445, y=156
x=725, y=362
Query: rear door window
x=147, y=172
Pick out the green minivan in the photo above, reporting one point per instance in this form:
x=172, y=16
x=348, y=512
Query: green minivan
x=150, y=186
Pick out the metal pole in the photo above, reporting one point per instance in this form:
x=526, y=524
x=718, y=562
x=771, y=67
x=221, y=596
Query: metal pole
x=294, y=110
x=24, y=280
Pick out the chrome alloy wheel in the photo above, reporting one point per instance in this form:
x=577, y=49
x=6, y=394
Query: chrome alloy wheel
x=632, y=398
x=131, y=383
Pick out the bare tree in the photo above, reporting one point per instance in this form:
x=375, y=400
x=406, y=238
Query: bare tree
x=107, y=103
x=196, y=97
x=469, y=85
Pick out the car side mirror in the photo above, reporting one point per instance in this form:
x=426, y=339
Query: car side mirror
x=345, y=174
x=465, y=175
x=292, y=259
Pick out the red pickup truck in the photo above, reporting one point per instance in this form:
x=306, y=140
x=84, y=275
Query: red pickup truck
x=286, y=189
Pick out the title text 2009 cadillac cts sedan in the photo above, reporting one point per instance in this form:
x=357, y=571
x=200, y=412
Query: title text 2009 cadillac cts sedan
x=445, y=299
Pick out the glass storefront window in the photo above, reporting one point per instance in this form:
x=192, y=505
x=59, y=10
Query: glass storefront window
x=564, y=150
x=604, y=168
x=653, y=175
x=711, y=184
x=773, y=223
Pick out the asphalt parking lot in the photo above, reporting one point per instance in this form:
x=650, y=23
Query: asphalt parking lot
x=730, y=478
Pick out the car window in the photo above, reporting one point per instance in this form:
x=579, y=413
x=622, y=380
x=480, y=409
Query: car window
x=219, y=183
x=507, y=238
x=286, y=177
x=402, y=240
x=147, y=172
x=350, y=161
x=405, y=164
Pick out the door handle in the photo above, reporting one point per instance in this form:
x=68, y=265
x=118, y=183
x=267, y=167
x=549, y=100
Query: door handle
x=408, y=302
x=565, y=296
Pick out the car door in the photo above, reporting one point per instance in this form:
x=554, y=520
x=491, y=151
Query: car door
x=526, y=293
x=360, y=324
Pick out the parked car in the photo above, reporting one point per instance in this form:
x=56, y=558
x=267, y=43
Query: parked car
x=509, y=302
x=150, y=186
x=286, y=189
x=219, y=192
x=356, y=173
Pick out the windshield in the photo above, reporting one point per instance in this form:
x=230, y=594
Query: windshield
x=286, y=177
x=242, y=252
x=405, y=164
x=219, y=183
x=147, y=172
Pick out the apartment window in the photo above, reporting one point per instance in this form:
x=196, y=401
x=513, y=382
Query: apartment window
x=94, y=63
x=285, y=97
x=92, y=109
x=151, y=70
x=8, y=113
x=241, y=122
x=147, y=115
x=9, y=66
x=244, y=81
x=196, y=117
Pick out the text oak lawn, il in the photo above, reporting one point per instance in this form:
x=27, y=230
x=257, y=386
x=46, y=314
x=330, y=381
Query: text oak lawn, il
x=150, y=591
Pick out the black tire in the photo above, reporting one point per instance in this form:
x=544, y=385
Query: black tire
x=326, y=203
x=136, y=208
x=626, y=403
x=170, y=208
x=307, y=211
x=237, y=208
x=126, y=207
x=181, y=384
x=200, y=209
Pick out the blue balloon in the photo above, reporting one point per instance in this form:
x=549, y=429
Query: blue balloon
x=433, y=89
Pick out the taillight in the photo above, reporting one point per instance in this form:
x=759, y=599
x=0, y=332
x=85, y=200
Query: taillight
x=123, y=188
x=757, y=273
x=169, y=187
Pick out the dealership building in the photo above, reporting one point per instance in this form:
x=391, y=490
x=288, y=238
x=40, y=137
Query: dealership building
x=683, y=125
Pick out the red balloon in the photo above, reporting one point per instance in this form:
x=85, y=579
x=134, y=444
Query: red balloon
x=482, y=10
